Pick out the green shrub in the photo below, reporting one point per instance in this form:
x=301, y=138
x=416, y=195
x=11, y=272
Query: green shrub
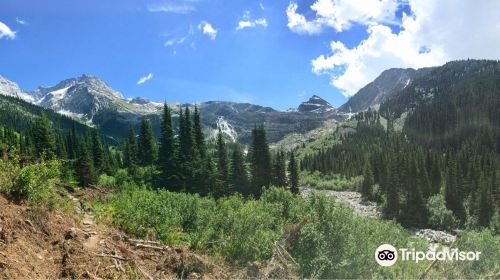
x=334, y=243
x=107, y=181
x=328, y=181
x=35, y=182
x=439, y=216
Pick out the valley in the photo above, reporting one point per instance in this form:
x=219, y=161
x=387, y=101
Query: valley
x=409, y=159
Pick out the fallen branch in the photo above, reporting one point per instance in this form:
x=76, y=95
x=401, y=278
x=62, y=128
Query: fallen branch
x=152, y=247
x=112, y=256
x=144, y=273
x=142, y=241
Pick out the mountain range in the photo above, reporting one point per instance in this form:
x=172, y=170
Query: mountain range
x=92, y=101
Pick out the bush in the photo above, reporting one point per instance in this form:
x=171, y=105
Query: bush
x=440, y=217
x=35, y=182
x=107, y=181
x=329, y=182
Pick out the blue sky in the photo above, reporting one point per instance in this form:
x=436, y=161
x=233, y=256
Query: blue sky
x=123, y=42
x=291, y=50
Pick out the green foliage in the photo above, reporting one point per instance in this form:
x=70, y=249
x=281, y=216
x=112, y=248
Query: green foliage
x=43, y=137
x=487, y=266
x=334, y=182
x=338, y=244
x=147, y=144
x=279, y=169
x=294, y=174
x=439, y=216
x=260, y=160
x=334, y=243
x=34, y=182
x=238, y=174
x=222, y=166
x=107, y=181
x=168, y=159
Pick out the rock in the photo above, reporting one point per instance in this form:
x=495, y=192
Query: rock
x=253, y=269
x=70, y=234
x=435, y=236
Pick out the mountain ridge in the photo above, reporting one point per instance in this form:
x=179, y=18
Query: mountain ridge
x=93, y=101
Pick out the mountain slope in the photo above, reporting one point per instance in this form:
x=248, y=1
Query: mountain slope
x=382, y=88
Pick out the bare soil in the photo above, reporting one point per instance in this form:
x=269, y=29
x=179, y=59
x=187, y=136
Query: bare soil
x=36, y=243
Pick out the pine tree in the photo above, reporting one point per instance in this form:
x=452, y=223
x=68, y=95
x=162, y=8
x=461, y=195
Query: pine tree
x=368, y=181
x=98, y=154
x=186, y=136
x=147, y=144
x=168, y=161
x=279, y=170
x=131, y=149
x=294, y=174
x=238, y=175
x=222, y=164
x=260, y=161
x=43, y=137
x=199, y=137
x=84, y=167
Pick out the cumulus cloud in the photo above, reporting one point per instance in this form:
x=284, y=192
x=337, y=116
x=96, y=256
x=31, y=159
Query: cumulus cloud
x=145, y=79
x=435, y=32
x=298, y=23
x=176, y=6
x=208, y=29
x=341, y=14
x=247, y=22
x=6, y=32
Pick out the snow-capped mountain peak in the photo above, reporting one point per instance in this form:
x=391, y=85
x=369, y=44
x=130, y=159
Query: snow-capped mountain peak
x=315, y=104
x=10, y=88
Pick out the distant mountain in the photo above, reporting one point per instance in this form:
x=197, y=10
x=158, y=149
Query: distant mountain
x=315, y=104
x=93, y=101
x=438, y=81
x=383, y=87
x=243, y=116
x=10, y=88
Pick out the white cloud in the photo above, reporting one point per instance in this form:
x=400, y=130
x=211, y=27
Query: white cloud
x=298, y=23
x=208, y=29
x=435, y=33
x=21, y=21
x=6, y=32
x=176, y=6
x=175, y=41
x=145, y=79
x=261, y=6
x=248, y=22
x=341, y=14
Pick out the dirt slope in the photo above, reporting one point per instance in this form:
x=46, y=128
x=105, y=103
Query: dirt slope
x=36, y=243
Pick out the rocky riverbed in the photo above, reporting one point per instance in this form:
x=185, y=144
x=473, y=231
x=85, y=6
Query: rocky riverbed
x=369, y=209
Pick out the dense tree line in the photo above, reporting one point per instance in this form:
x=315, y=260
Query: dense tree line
x=85, y=154
x=403, y=170
x=186, y=163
